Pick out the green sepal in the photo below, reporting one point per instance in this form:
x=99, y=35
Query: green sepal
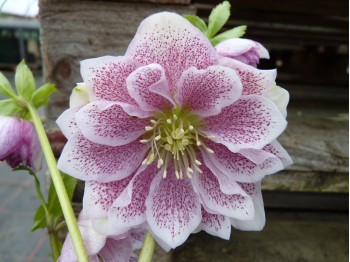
x=197, y=22
x=41, y=95
x=235, y=32
x=39, y=219
x=217, y=18
x=25, y=82
x=9, y=107
x=5, y=87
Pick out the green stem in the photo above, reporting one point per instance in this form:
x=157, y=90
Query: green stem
x=59, y=186
x=147, y=248
x=54, y=243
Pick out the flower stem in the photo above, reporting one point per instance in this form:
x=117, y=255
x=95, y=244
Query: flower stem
x=59, y=186
x=55, y=244
x=147, y=248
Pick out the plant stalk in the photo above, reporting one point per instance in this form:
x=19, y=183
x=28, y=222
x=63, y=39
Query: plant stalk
x=147, y=248
x=59, y=186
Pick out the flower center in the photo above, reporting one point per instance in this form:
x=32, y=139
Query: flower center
x=175, y=136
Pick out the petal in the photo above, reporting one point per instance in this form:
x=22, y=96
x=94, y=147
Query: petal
x=258, y=222
x=280, y=97
x=89, y=161
x=106, y=123
x=116, y=250
x=102, y=226
x=251, y=122
x=233, y=206
x=276, y=148
x=216, y=225
x=149, y=87
x=206, y=92
x=171, y=41
x=99, y=197
x=10, y=135
x=172, y=208
x=105, y=77
x=134, y=213
x=238, y=46
x=237, y=167
x=67, y=122
x=254, y=81
x=79, y=96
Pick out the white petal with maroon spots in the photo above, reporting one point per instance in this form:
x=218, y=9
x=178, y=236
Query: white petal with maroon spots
x=216, y=225
x=276, y=148
x=67, y=123
x=88, y=161
x=237, y=167
x=134, y=213
x=258, y=222
x=149, y=87
x=206, y=92
x=234, y=206
x=254, y=81
x=171, y=41
x=172, y=208
x=105, y=77
x=99, y=197
x=251, y=122
x=106, y=123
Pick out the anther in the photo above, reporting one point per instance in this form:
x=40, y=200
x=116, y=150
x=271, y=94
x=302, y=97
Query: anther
x=168, y=121
x=197, y=162
x=148, y=128
x=144, y=141
x=160, y=163
x=153, y=121
x=191, y=127
x=175, y=117
x=157, y=137
x=198, y=143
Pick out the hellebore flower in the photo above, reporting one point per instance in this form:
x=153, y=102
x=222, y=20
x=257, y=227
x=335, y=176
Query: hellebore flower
x=118, y=248
x=174, y=136
x=19, y=143
x=245, y=50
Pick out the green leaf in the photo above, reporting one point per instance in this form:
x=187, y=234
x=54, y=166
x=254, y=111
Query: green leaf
x=233, y=33
x=39, y=219
x=5, y=87
x=53, y=202
x=197, y=22
x=9, y=107
x=41, y=95
x=217, y=18
x=25, y=82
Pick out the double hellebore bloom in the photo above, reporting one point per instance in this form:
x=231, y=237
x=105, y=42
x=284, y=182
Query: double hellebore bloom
x=19, y=143
x=174, y=136
x=245, y=50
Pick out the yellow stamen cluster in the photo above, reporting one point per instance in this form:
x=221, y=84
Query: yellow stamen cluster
x=174, y=136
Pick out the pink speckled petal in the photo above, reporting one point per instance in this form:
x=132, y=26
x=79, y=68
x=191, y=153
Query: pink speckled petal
x=206, y=92
x=130, y=214
x=106, y=123
x=258, y=222
x=233, y=206
x=105, y=77
x=88, y=161
x=254, y=81
x=99, y=197
x=251, y=122
x=237, y=167
x=149, y=87
x=276, y=148
x=171, y=41
x=238, y=46
x=172, y=208
x=216, y=225
x=67, y=123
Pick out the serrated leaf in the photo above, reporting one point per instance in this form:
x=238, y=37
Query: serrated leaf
x=25, y=82
x=39, y=219
x=5, y=87
x=197, y=22
x=9, y=107
x=217, y=18
x=41, y=95
x=236, y=32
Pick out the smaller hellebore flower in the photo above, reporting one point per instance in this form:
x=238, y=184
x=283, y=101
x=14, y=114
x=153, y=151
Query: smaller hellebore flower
x=100, y=247
x=19, y=143
x=244, y=50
